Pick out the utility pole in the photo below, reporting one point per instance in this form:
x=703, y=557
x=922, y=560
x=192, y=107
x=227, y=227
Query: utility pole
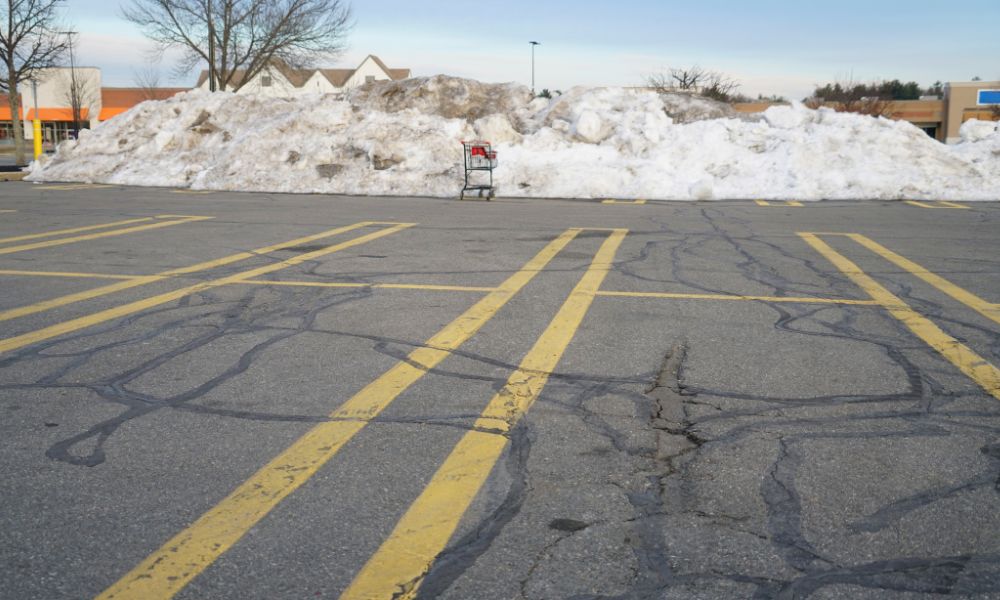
x=211, y=48
x=74, y=92
x=533, y=44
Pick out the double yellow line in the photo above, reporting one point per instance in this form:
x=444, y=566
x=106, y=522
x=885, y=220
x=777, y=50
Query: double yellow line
x=405, y=554
x=968, y=361
x=77, y=324
x=160, y=222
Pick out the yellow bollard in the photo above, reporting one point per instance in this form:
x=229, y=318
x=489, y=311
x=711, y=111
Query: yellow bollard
x=37, y=134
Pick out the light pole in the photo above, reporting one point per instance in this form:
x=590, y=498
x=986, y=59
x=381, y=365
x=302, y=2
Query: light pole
x=74, y=92
x=533, y=44
x=36, y=123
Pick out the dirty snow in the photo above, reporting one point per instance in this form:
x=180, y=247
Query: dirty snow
x=402, y=138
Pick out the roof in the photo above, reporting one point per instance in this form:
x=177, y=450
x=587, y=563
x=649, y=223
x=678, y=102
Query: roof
x=115, y=101
x=299, y=77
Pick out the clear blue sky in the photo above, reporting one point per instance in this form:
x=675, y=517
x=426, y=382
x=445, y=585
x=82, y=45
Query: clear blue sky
x=772, y=46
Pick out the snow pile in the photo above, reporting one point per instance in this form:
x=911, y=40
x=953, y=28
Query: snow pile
x=402, y=138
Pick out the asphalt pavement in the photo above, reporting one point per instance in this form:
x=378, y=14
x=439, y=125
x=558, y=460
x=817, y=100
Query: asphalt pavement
x=235, y=395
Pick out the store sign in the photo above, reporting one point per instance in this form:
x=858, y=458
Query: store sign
x=988, y=97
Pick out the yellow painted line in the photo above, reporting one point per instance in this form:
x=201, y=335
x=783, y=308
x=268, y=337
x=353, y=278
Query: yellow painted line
x=140, y=305
x=191, y=191
x=938, y=204
x=960, y=355
x=7, y=210
x=396, y=569
x=78, y=186
x=794, y=299
x=633, y=202
x=786, y=203
x=96, y=236
x=38, y=307
x=967, y=298
x=952, y=204
x=166, y=571
x=390, y=286
x=55, y=232
x=15, y=273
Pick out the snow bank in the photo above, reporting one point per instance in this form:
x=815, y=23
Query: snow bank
x=402, y=138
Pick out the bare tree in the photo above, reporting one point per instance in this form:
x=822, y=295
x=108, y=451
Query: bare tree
x=147, y=80
x=243, y=35
x=711, y=84
x=29, y=42
x=80, y=94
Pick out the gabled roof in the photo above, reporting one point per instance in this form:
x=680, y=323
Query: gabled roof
x=299, y=77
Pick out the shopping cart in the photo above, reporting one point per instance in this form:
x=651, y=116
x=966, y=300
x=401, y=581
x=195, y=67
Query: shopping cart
x=479, y=156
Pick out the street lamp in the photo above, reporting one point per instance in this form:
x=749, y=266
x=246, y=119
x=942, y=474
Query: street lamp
x=74, y=92
x=533, y=44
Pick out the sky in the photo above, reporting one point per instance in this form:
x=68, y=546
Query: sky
x=770, y=46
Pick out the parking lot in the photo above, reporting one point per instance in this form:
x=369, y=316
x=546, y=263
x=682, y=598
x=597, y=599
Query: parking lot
x=235, y=395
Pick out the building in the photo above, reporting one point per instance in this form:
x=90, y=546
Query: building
x=280, y=80
x=52, y=93
x=96, y=103
x=941, y=118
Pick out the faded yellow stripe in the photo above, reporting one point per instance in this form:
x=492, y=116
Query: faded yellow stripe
x=794, y=203
x=971, y=300
x=38, y=307
x=960, y=355
x=7, y=210
x=397, y=568
x=920, y=204
x=75, y=186
x=679, y=296
x=95, y=236
x=166, y=571
x=762, y=203
x=55, y=232
x=66, y=274
x=638, y=201
x=390, y=286
x=952, y=204
x=140, y=305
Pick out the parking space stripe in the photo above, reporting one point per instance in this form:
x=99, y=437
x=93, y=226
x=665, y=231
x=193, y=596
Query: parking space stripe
x=7, y=210
x=792, y=299
x=44, y=305
x=75, y=186
x=166, y=571
x=140, y=305
x=637, y=202
x=966, y=297
x=387, y=286
x=795, y=203
x=397, y=568
x=45, y=234
x=960, y=355
x=17, y=273
x=937, y=204
x=103, y=234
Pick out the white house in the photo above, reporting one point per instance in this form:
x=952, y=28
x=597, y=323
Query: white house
x=280, y=80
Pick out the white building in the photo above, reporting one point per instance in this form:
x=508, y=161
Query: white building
x=280, y=80
x=55, y=100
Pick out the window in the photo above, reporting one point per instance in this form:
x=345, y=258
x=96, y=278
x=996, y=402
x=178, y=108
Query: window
x=369, y=78
x=265, y=80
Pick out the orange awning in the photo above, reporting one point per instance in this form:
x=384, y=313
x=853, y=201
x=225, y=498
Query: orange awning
x=5, y=108
x=56, y=114
x=112, y=111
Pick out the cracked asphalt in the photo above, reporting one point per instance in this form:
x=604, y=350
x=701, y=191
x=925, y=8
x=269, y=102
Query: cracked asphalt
x=734, y=412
